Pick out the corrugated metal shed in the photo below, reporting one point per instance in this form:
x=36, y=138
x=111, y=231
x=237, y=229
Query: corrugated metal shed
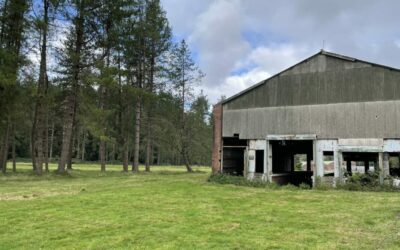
x=327, y=94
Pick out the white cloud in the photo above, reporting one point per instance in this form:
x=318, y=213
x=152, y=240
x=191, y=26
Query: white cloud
x=268, y=61
x=217, y=36
x=282, y=32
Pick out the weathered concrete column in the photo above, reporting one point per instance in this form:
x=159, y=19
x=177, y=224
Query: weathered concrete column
x=251, y=163
x=380, y=167
x=217, y=139
x=385, y=170
x=314, y=168
x=268, y=166
x=339, y=168
x=319, y=162
x=336, y=167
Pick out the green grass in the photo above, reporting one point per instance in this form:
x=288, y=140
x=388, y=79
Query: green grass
x=171, y=209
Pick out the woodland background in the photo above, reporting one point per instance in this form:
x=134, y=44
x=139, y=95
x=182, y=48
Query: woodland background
x=98, y=80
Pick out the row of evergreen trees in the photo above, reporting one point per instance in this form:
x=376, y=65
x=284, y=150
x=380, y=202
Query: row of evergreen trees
x=98, y=80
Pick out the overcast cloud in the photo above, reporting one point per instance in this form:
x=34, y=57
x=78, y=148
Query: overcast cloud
x=238, y=43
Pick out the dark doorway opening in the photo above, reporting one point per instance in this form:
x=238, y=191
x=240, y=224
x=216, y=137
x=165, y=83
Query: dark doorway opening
x=291, y=161
x=360, y=162
x=233, y=155
x=260, y=161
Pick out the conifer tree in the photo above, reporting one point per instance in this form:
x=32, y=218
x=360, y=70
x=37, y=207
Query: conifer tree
x=158, y=37
x=13, y=24
x=184, y=75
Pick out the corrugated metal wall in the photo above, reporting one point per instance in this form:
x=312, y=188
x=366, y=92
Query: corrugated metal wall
x=330, y=97
x=343, y=120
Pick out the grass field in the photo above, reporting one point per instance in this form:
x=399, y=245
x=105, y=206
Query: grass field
x=171, y=209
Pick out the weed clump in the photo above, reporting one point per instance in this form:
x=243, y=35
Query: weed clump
x=242, y=181
x=369, y=181
x=356, y=182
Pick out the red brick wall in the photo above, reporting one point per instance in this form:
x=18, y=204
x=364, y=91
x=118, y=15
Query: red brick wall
x=217, y=137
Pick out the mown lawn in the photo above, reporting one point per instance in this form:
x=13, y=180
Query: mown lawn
x=170, y=209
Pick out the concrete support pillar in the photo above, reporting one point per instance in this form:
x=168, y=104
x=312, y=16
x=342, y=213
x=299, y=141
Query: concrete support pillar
x=385, y=171
x=319, y=162
x=380, y=167
x=251, y=163
x=314, y=167
x=252, y=160
x=339, y=166
x=246, y=163
x=268, y=166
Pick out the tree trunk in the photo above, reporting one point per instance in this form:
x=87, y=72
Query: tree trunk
x=102, y=153
x=149, y=116
x=187, y=163
x=184, y=128
x=51, y=142
x=39, y=127
x=83, y=145
x=78, y=142
x=5, y=149
x=72, y=97
x=46, y=142
x=135, y=166
x=102, y=146
x=125, y=156
x=31, y=150
x=72, y=144
x=14, y=162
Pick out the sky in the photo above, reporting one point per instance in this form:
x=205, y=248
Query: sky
x=238, y=43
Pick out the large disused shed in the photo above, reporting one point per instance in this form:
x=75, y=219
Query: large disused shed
x=328, y=107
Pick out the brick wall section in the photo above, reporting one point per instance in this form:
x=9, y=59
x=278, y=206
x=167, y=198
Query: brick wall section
x=217, y=137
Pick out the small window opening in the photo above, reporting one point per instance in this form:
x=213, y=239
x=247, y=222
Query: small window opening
x=329, y=166
x=260, y=161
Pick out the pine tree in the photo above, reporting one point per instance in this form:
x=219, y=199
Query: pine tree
x=40, y=123
x=184, y=75
x=110, y=16
x=13, y=24
x=78, y=45
x=158, y=37
x=133, y=56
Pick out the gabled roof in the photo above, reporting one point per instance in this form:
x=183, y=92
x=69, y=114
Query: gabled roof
x=322, y=52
